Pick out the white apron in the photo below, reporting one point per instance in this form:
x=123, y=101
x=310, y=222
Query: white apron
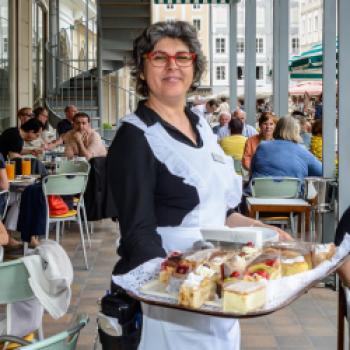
x=212, y=173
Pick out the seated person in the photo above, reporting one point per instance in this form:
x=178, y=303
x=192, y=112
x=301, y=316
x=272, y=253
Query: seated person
x=82, y=140
x=24, y=114
x=66, y=124
x=267, y=124
x=224, y=119
x=12, y=139
x=234, y=145
x=284, y=156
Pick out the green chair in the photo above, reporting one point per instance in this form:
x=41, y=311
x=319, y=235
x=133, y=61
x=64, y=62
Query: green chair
x=238, y=165
x=77, y=166
x=14, y=288
x=66, y=340
x=73, y=166
x=65, y=185
x=276, y=187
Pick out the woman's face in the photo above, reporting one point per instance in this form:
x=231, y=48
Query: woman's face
x=170, y=82
x=267, y=128
x=43, y=117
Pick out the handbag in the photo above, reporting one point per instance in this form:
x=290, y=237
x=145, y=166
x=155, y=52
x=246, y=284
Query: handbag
x=57, y=206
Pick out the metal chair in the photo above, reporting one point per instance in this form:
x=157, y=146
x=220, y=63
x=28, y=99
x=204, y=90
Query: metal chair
x=14, y=288
x=4, y=200
x=61, y=185
x=237, y=163
x=276, y=187
x=66, y=340
x=77, y=166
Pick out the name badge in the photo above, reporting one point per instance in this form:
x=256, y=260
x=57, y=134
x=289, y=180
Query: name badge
x=218, y=158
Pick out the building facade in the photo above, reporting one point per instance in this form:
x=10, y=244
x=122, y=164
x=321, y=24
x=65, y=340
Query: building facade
x=311, y=12
x=199, y=16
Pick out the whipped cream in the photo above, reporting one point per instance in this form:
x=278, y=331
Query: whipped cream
x=204, y=271
x=193, y=280
x=297, y=259
x=244, y=286
x=250, y=250
x=201, y=255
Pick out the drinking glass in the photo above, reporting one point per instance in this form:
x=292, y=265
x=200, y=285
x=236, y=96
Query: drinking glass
x=26, y=166
x=10, y=170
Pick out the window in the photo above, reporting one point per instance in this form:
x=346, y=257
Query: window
x=196, y=6
x=316, y=23
x=259, y=45
x=295, y=46
x=170, y=7
x=259, y=72
x=6, y=45
x=220, y=73
x=220, y=45
x=240, y=45
x=197, y=24
x=240, y=72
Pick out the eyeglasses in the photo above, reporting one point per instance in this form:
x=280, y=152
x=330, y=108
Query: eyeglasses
x=161, y=59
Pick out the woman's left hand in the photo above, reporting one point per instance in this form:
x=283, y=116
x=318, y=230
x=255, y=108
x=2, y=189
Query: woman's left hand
x=283, y=235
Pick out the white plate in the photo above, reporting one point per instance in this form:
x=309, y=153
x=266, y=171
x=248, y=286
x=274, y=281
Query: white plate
x=257, y=235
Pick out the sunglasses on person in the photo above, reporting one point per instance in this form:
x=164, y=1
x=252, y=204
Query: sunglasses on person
x=161, y=58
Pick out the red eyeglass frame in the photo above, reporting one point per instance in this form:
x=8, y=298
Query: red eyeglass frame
x=149, y=55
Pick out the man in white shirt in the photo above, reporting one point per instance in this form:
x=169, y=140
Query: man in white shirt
x=206, y=110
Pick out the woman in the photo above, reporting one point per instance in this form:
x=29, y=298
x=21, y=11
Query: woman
x=45, y=141
x=284, y=156
x=267, y=124
x=234, y=145
x=316, y=139
x=168, y=175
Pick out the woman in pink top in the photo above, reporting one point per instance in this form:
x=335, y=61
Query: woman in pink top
x=267, y=124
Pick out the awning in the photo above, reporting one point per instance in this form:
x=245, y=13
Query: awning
x=309, y=64
x=195, y=1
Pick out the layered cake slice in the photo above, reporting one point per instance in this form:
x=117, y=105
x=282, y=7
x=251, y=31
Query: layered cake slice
x=268, y=267
x=322, y=252
x=294, y=265
x=244, y=296
x=198, y=287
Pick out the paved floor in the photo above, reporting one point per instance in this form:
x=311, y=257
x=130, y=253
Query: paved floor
x=309, y=323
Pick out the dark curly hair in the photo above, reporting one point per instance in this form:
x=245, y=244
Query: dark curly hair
x=146, y=42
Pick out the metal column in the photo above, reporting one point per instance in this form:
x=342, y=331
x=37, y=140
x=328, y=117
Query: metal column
x=344, y=103
x=250, y=61
x=233, y=56
x=99, y=71
x=329, y=104
x=280, y=56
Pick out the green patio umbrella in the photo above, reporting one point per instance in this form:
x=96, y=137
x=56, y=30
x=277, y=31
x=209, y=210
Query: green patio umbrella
x=308, y=65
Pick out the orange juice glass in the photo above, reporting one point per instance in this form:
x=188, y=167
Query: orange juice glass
x=10, y=170
x=26, y=166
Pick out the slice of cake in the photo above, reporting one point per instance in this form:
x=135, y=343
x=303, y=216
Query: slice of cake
x=198, y=287
x=243, y=297
x=267, y=267
x=322, y=252
x=294, y=265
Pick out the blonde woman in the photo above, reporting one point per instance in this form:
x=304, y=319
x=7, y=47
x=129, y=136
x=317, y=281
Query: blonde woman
x=284, y=156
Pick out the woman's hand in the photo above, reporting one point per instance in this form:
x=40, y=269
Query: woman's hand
x=283, y=235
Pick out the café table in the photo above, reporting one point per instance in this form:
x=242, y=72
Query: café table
x=20, y=183
x=281, y=205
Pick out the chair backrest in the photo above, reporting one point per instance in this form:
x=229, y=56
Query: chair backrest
x=238, y=165
x=73, y=166
x=4, y=200
x=66, y=340
x=14, y=282
x=278, y=187
x=64, y=184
